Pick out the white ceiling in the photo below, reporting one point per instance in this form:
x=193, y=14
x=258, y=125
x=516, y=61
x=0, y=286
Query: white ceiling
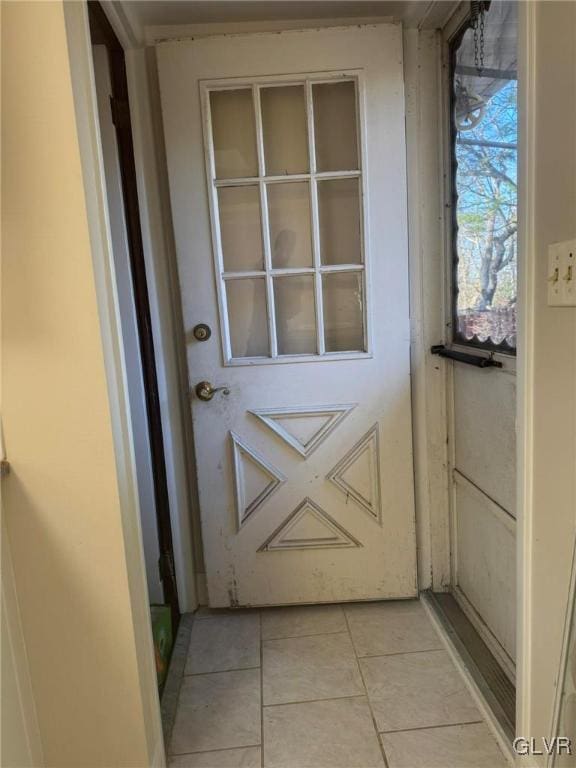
x=147, y=14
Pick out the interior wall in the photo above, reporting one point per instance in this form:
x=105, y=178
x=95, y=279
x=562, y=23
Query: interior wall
x=548, y=355
x=81, y=605
x=20, y=736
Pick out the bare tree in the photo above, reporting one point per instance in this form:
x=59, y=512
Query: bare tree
x=487, y=205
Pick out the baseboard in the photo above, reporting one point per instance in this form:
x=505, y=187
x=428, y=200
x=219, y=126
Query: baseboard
x=489, y=638
x=500, y=734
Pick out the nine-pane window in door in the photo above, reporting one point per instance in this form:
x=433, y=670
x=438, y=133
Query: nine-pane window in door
x=286, y=185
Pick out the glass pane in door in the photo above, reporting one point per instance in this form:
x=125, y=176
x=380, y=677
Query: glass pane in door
x=339, y=221
x=240, y=228
x=284, y=129
x=247, y=317
x=295, y=314
x=233, y=133
x=335, y=132
x=343, y=311
x=290, y=227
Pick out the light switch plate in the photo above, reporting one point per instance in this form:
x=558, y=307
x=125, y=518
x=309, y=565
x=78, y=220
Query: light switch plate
x=562, y=274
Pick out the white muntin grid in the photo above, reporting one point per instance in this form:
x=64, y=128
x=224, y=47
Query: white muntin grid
x=263, y=181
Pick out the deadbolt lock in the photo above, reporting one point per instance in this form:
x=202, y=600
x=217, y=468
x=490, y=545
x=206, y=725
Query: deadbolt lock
x=202, y=332
x=205, y=391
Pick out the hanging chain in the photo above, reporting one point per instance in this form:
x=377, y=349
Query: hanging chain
x=482, y=13
x=477, y=23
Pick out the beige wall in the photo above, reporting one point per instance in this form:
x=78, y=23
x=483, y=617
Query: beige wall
x=61, y=502
x=552, y=478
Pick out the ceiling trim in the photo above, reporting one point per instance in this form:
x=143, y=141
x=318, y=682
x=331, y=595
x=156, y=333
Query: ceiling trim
x=167, y=32
x=124, y=22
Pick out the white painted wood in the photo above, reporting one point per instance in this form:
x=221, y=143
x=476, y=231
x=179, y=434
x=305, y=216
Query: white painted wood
x=486, y=560
x=166, y=320
x=526, y=553
x=565, y=680
x=384, y=566
x=130, y=339
x=485, y=431
x=424, y=115
x=547, y=356
x=357, y=474
x=481, y=413
x=508, y=665
x=289, y=423
x=252, y=492
x=309, y=527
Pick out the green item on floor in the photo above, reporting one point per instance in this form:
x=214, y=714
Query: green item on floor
x=162, y=635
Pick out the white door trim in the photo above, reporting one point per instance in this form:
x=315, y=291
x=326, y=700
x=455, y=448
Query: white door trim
x=424, y=138
x=525, y=365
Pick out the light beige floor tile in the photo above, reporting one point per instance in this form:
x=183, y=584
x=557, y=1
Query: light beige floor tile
x=416, y=690
x=391, y=627
x=456, y=746
x=302, y=620
x=307, y=668
x=321, y=734
x=228, y=641
x=249, y=757
x=217, y=711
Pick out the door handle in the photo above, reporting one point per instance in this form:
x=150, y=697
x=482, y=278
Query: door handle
x=205, y=391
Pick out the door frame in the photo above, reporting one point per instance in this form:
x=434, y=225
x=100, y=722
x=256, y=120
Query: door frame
x=85, y=107
x=102, y=33
x=451, y=31
x=525, y=396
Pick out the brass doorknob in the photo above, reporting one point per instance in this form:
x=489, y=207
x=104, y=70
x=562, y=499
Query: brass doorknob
x=205, y=391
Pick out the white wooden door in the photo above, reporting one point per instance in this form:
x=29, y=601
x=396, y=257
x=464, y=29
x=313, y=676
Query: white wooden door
x=286, y=159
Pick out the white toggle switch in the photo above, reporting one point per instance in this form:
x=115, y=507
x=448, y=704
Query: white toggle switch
x=562, y=274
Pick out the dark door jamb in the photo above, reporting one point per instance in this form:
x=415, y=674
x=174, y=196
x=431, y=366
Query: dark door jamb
x=101, y=33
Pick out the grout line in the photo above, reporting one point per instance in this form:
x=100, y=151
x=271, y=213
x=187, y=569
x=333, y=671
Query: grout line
x=297, y=637
x=261, y=692
x=384, y=758
x=218, y=671
x=400, y=653
x=316, y=701
x=210, y=751
x=431, y=727
x=309, y=634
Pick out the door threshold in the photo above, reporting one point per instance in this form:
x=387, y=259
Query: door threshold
x=495, y=692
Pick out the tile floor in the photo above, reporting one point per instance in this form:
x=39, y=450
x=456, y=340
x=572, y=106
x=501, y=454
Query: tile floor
x=331, y=686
